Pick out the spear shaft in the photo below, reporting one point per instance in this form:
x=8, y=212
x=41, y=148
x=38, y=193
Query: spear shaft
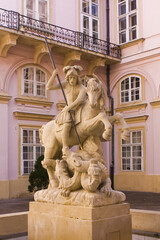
x=54, y=66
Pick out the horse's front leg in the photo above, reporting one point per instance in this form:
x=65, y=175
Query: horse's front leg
x=108, y=127
x=125, y=129
x=92, y=124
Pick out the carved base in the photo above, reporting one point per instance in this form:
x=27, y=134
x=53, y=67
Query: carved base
x=79, y=198
x=61, y=222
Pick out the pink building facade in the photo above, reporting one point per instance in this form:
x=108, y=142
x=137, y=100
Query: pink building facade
x=77, y=34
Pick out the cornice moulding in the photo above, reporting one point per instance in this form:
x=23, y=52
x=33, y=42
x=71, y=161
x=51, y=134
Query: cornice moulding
x=131, y=107
x=33, y=116
x=131, y=43
x=5, y=98
x=155, y=103
x=136, y=119
x=27, y=101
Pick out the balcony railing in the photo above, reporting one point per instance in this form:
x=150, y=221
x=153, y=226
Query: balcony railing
x=16, y=21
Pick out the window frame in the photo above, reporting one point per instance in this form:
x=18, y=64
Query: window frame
x=91, y=18
x=131, y=145
x=127, y=15
x=36, y=10
x=34, y=145
x=130, y=89
x=34, y=82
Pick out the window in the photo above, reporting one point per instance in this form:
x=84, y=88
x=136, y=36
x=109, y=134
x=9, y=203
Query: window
x=33, y=82
x=90, y=17
x=127, y=20
x=31, y=149
x=130, y=89
x=38, y=9
x=132, y=152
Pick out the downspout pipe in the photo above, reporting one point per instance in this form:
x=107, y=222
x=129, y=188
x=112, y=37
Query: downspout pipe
x=112, y=113
x=109, y=92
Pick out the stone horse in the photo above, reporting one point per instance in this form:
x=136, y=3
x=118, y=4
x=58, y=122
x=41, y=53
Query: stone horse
x=94, y=122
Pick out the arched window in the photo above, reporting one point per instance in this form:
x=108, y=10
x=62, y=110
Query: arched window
x=130, y=89
x=33, y=82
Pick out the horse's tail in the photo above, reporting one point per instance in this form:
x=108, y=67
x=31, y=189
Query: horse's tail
x=40, y=135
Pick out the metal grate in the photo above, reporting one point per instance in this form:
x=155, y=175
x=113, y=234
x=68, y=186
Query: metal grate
x=16, y=21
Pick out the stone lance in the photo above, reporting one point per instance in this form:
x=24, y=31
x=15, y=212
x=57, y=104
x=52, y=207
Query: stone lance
x=54, y=66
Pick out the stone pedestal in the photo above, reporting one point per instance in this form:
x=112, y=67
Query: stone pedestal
x=48, y=221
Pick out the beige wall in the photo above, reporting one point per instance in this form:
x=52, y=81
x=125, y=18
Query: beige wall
x=137, y=182
x=145, y=220
x=14, y=188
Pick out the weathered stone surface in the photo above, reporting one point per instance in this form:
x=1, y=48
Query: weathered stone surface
x=70, y=172
x=80, y=198
x=79, y=202
x=60, y=222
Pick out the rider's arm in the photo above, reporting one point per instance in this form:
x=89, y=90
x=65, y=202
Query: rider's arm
x=79, y=100
x=50, y=82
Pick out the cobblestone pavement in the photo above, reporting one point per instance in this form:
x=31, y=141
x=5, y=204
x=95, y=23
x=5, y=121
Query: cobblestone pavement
x=137, y=200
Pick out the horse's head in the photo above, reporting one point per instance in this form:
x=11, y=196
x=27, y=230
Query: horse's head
x=95, y=93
